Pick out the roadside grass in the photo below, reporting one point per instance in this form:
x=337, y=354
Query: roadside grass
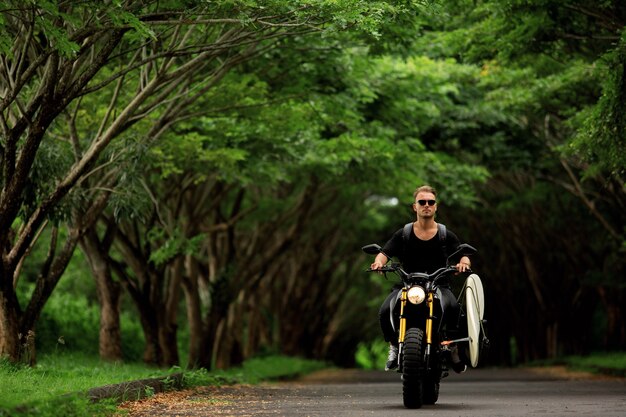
x=57, y=385
x=54, y=385
x=613, y=363
x=608, y=363
x=254, y=371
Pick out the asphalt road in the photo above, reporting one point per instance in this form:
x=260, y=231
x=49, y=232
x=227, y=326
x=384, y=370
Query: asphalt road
x=478, y=392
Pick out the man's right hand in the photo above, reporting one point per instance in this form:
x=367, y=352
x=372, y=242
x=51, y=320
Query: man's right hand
x=376, y=265
x=379, y=261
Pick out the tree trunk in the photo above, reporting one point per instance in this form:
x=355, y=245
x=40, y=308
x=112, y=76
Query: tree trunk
x=552, y=340
x=9, y=322
x=109, y=291
x=168, y=345
x=152, y=351
x=160, y=336
x=227, y=346
x=15, y=344
x=194, y=317
x=194, y=312
x=169, y=322
x=205, y=360
x=615, y=337
x=110, y=343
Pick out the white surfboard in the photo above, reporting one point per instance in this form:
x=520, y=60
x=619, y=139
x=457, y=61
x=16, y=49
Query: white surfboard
x=475, y=310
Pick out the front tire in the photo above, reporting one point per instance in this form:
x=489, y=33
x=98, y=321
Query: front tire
x=413, y=371
x=430, y=389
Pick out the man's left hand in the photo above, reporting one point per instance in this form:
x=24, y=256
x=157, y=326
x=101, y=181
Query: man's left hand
x=462, y=267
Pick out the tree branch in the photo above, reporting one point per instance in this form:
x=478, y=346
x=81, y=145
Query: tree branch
x=590, y=205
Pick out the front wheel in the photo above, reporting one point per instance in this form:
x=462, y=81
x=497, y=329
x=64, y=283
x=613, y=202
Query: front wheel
x=413, y=369
x=430, y=389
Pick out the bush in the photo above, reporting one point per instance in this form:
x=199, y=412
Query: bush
x=68, y=323
x=71, y=323
x=372, y=355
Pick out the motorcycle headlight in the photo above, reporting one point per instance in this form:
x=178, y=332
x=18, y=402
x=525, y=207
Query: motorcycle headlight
x=416, y=295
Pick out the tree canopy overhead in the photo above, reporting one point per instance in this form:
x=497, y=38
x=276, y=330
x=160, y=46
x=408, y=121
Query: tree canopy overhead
x=230, y=156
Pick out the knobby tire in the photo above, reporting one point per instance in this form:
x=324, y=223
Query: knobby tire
x=413, y=371
x=430, y=389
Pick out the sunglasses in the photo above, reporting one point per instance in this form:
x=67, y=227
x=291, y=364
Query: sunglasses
x=424, y=202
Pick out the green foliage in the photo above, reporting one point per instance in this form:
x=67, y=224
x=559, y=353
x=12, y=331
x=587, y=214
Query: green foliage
x=601, y=138
x=57, y=379
x=54, y=158
x=372, y=355
x=172, y=246
x=255, y=370
x=486, y=100
x=48, y=17
x=551, y=60
x=52, y=20
x=120, y=17
x=6, y=41
x=55, y=386
x=70, y=321
x=607, y=363
x=74, y=405
x=604, y=363
x=278, y=367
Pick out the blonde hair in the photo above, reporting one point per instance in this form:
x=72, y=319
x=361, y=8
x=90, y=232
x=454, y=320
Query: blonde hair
x=425, y=189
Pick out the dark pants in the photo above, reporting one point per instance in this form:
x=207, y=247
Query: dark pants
x=448, y=302
x=389, y=334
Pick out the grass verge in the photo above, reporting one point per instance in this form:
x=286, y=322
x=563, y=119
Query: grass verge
x=57, y=385
x=610, y=363
x=613, y=363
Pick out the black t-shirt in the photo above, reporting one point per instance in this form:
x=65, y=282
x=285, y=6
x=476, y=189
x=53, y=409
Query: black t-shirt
x=421, y=255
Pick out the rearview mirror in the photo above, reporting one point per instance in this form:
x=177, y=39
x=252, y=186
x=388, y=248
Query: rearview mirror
x=467, y=249
x=463, y=250
x=372, y=249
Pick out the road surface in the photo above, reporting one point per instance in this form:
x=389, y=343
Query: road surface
x=351, y=393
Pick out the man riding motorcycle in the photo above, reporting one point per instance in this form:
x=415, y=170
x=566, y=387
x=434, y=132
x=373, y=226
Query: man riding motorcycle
x=421, y=246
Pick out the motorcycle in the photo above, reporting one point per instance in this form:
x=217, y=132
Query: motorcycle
x=429, y=327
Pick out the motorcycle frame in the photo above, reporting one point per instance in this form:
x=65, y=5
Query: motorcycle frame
x=428, y=329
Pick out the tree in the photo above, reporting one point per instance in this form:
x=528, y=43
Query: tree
x=149, y=61
x=543, y=69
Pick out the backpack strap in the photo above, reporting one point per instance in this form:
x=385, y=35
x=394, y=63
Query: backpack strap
x=443, y=234
x=406, y=232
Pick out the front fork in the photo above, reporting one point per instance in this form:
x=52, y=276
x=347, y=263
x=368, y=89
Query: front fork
x=402, y=332
x=429, y=326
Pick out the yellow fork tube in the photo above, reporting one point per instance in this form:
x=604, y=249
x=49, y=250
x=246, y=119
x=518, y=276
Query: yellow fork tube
x=429, y=319
x=403, y=299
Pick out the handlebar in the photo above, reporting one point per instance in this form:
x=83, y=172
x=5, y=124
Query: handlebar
x=394, y=267
x=406, y=276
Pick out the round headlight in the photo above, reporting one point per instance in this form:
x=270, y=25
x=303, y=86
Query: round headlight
x=416, y=295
